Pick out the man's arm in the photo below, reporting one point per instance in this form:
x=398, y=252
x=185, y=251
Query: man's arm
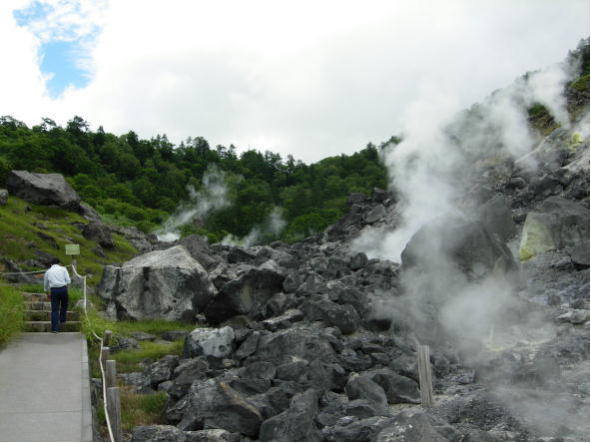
x=46, y=283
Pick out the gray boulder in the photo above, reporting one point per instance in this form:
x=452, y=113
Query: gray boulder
x=398, y=389
x=245, y=295
x=157, y=433
x=467, y=246
x=215, y=404
x=344, y=317
x=43, y=189
x=296, y=423
x=100, y=233
x=89, y=213
x=166, y=284
x=199, y=250
x=294, y=343
x=211, y=435
x=363, y=387
x=3, y=197
x=496, y=217
x=161, y=370
x=558, y=224
x=217, y=343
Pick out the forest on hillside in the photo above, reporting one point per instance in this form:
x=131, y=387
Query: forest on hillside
x=133, y=181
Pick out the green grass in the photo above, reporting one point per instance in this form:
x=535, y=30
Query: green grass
x=129, y=360
x=26, y=227
x=11, y=313
x=136, y=410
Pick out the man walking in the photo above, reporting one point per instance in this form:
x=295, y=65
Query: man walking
x=55, y=283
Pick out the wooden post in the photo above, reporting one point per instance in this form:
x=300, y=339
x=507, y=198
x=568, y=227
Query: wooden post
x=425, y=382
x=107, y=337
x=111, y=373
x=114, y=410
x=105, y=356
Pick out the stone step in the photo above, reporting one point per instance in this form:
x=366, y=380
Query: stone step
x=39, y=315
x=38, y=306
x=34, y=296
x=45, y=326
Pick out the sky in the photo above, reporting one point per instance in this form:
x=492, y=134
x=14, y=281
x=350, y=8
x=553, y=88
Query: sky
x=308, y=78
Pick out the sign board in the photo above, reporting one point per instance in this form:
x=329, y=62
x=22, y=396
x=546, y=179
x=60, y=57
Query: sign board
x=73, y=249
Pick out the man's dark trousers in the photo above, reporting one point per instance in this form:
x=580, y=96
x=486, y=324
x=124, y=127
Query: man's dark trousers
x=59, y=307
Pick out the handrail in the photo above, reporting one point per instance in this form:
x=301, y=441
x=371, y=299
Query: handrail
x=100, y=359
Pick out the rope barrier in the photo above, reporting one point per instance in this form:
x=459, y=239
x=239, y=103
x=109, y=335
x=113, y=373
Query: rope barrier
x=24, y=272
x=104, y=381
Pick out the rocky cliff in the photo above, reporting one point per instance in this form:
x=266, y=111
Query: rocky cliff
x=318, y=340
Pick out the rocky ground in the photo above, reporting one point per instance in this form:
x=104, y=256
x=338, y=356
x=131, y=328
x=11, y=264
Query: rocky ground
x=316, y=342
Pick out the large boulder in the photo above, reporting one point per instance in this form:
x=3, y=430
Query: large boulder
x=496, y=217
x=214, y=404
x=100, y=233
x=43, y=189
x=296, y=423
x=297, y=343
x=217, y=343
x=467, y=246
x=245, y=295
x=199, y=249
x=558, y=224
x=167, y=284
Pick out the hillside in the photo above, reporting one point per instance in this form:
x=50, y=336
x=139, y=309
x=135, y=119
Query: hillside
x=33, y=234
x=192, y=187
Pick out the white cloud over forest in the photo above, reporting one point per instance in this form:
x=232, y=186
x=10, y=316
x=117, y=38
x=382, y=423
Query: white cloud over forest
x=308, y=78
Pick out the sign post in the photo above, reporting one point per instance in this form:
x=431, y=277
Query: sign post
x=73, y=250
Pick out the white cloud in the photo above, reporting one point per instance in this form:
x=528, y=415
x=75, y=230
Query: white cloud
x=308, y=78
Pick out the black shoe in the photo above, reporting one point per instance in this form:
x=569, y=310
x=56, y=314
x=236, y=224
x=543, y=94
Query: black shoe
x=54, y=332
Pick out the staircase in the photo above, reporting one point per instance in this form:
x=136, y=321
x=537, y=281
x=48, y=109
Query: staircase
x=38, y=315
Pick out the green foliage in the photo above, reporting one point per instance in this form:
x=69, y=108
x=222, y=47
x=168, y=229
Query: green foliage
x=135, y=182
x=581, y=84
x=11, y=312
x=26, y=228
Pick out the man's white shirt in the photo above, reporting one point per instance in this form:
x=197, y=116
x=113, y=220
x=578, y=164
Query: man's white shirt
x=56, y=277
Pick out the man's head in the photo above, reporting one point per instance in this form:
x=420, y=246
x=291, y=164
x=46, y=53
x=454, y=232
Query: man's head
x=55, y=261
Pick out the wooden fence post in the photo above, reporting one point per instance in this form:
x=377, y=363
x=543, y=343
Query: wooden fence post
x=111, y=373
x=425, y=381
x=104, y=356
x=107, y=338
x=114, y=410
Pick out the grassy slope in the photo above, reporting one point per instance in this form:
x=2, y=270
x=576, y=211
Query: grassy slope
x=25, y=227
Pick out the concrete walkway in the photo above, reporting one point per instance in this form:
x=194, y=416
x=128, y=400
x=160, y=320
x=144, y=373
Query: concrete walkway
x=44, y=388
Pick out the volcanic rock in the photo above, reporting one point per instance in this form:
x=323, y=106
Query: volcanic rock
x=166, y=284
x=100, y=233
x=42, y=189
x=217, y=343
x=247, y=294
x=296, y=423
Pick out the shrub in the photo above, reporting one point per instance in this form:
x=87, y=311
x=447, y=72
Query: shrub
x=11, y=312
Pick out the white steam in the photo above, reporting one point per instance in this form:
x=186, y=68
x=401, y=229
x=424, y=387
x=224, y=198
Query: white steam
x=212, y=196
x=273, y=225
x=428, y=169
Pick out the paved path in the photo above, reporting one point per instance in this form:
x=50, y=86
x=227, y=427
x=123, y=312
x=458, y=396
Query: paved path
x=44, y=388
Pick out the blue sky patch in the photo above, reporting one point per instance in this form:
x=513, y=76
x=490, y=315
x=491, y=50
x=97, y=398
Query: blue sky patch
x=59, y=60
x=60, y=50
